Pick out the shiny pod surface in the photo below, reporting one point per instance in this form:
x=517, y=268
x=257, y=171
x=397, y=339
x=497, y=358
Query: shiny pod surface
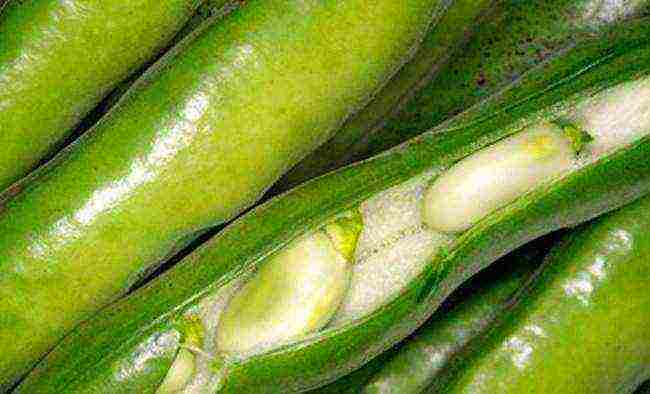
x=582, y=325
x=58, y=59
x=208, y=10
x=199, y=138
x=515, y=41
x=402, y=271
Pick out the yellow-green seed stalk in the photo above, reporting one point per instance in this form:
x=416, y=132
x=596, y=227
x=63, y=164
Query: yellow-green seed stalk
x=184, y=365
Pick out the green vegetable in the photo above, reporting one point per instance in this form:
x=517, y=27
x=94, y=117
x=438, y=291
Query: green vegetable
x=198, y=139
x=581, y=326
x=402, y=271
x=514, y=42
x=413, y=364
x=59, y=59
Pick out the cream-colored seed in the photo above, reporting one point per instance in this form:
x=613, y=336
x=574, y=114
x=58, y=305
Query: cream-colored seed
x=179, y=374
x=496, y=176
x=292, y=295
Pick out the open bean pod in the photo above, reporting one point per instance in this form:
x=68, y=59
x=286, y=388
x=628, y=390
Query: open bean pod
x=404, y=263
x=576, y=325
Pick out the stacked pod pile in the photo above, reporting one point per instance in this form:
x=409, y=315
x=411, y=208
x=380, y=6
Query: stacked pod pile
x=410, y=252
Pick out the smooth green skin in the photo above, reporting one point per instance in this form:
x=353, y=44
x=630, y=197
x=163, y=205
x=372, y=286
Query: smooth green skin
x=114, y=336
x=410, y=366
x=196, y=141
x=449, y=30
x=590, y=306
x=59, y=59
x=207, y=10
x=516, y=38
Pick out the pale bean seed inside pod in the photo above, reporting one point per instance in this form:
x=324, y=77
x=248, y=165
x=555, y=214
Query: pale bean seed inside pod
x=293, y=294
x=179, y=374
x=497, y=175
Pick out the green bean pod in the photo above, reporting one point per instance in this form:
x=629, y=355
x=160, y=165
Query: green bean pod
x=514, y=39
x=581, y=326
x=402, y=270
x=198, y=139
x=59, y=59
x=451, y=29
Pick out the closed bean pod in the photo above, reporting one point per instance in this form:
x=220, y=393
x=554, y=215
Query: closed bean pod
x=59, y=59
x=513, y=41
x=581, y=326
x=199, y=138
x=402, y=269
